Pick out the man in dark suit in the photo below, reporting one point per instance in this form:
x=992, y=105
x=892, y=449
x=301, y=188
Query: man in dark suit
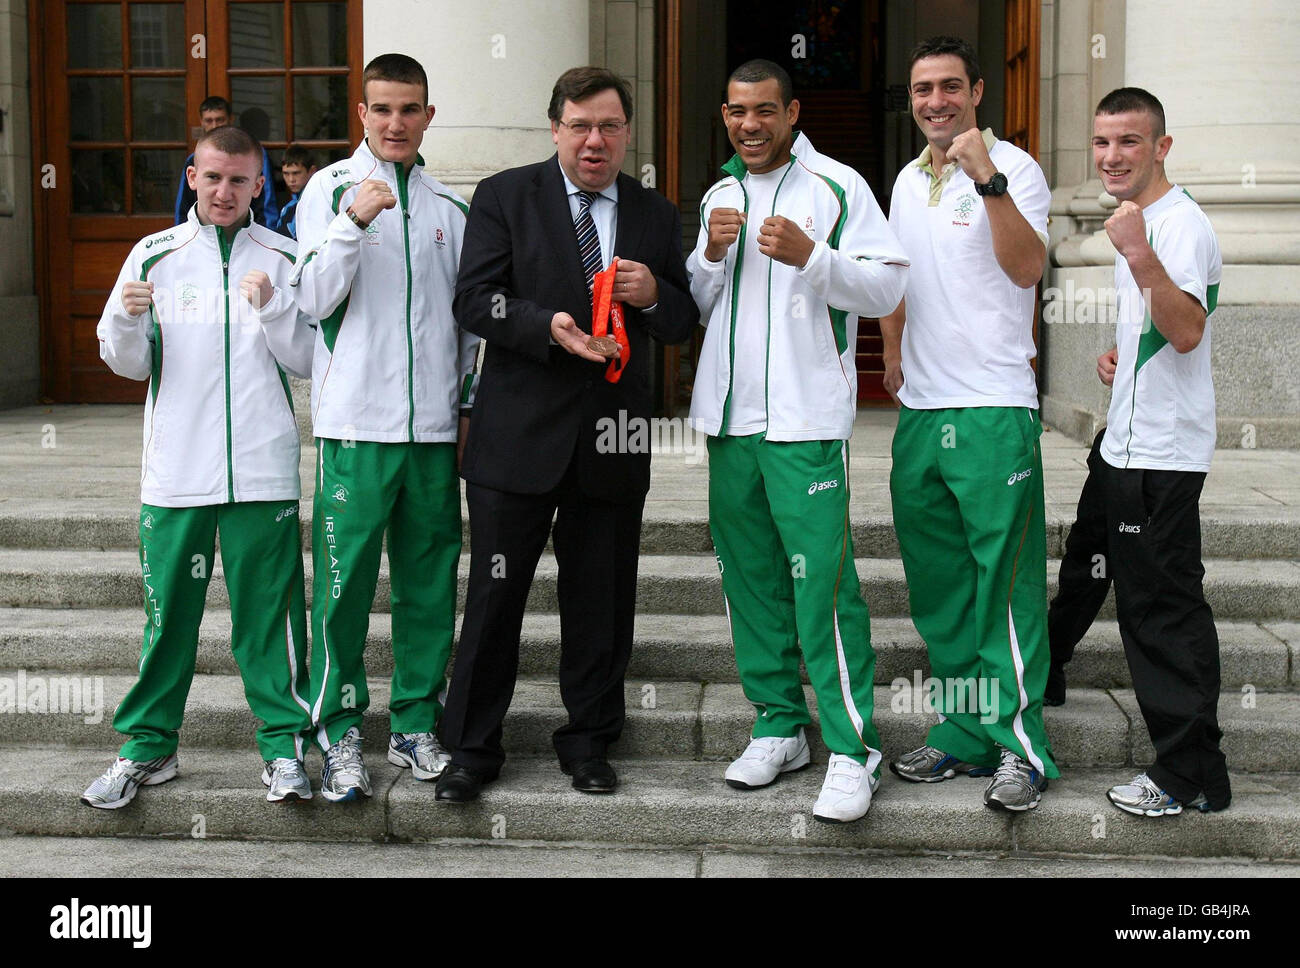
x=538, y=446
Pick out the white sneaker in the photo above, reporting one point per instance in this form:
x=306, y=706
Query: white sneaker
x=765, y=759
x=846, y=794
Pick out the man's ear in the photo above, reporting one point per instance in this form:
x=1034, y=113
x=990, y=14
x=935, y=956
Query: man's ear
x=977, y=92
x=192, y=178
x=1163, y=144
x=792, y=111
x=257, y=185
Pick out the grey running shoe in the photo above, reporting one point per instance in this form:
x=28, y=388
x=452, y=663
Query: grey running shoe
x=1016, y=785
x=929, y=765
x=117, y=787
x=344, y=776
x=286, y=780
x=421, y=752
x=1142, y=797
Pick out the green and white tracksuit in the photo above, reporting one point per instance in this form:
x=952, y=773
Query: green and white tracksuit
x=967, y=478
x=391, y=373
x=776, y=391
x=220, y=457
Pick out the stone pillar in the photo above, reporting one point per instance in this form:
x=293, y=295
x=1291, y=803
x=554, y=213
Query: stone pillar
x=491, y=66
x=1229, y=106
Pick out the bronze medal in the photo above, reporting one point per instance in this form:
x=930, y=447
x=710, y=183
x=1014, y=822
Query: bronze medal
x=604, y=346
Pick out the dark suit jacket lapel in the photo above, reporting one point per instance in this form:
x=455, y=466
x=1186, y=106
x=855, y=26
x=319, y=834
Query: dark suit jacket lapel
x=631, y=223
x=553, y=206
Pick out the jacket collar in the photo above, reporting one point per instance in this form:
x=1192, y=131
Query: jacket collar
x=365, y=163
x=208, y=233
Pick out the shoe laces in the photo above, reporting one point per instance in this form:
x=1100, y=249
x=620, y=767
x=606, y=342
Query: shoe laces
x=286, y=768
x=1011, y=768
x=345, y=755
x=1148, y=786
x=427, y=744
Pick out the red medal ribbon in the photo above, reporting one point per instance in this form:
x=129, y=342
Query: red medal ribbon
x=608, y=312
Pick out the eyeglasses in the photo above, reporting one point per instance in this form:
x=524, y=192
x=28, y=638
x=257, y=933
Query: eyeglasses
x=581, y=129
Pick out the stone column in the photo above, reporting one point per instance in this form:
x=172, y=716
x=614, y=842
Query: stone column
x=1223, y=74
x=491, y=66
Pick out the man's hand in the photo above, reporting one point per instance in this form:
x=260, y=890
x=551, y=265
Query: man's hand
x=462, y=435
x=635, y=284
x=970, y=152
x=1128, y=229
x=782, y=240
x=724, y=229
x=893, y=376
x=136, y=297
x=565, y=332
x=1106, y=364
x=373, y=196
x=257, y=288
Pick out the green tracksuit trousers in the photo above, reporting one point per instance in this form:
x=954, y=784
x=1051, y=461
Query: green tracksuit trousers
x=363, y=489
x=261, y=555
x=779, y=515
x=967, y=489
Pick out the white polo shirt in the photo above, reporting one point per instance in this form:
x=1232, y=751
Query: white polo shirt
x=1162, y=402
x=968, y=337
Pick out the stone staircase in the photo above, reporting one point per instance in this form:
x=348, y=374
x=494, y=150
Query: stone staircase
x=70, y=607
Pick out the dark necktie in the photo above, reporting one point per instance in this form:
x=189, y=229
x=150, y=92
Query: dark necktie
x=588, y=240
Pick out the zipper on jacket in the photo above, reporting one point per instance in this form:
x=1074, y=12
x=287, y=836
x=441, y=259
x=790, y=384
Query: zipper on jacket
x=225, y=246
x=410, y=346
x=735, y=305
x=767, y=353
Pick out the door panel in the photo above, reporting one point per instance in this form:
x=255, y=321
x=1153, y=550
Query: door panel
x=116, y=93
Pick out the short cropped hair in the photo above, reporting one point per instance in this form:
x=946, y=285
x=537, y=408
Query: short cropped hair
x=941, y=45
x=231, y=141
x=398, y=68
x=580, y=83
x=297, y=155
x=757, y=70
x=216, y=102
x=1125, y=99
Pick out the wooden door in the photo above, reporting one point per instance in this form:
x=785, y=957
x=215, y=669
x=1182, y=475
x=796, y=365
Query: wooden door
x=116, y=91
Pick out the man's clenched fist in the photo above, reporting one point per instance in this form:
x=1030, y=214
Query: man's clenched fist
x=782, y=240
x=970, y=152
x=1127, y=229
x=724, y=229
x=136, y=297
x=373, y=196
x=257, y=288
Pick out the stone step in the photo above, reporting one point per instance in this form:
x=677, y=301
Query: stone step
x=90, y=641
x=680, y=720
x=120, y=857
x=672, y=584
x=671, y=803
x=677, y=528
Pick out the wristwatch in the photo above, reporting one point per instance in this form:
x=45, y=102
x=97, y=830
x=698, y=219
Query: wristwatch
x=997, y=185
x=364, y=225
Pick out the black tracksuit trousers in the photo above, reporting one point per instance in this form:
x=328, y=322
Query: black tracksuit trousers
x=1147, y=525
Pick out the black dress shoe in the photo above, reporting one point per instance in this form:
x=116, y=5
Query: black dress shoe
x=592, y=776
x=460, y=784
x=1054, y=694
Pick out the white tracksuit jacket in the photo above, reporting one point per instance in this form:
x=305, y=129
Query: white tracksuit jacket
x=391, y=365
x=218, y=420
x=857, y=268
